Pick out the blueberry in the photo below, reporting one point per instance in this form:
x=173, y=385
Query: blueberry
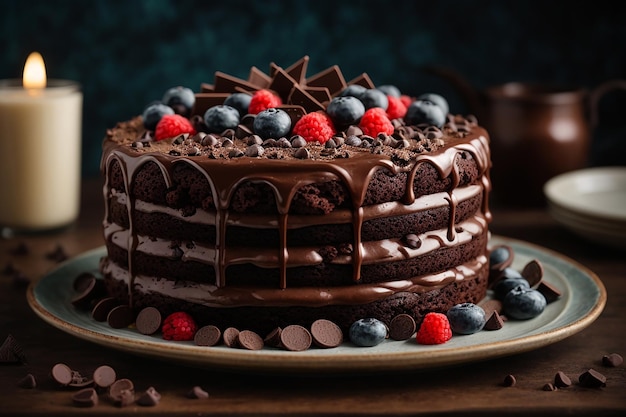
x=219, y=118
x=438, y=100
x=424, y=111
x=272, y=123
x=466, y=318
x=499, y=255
x=506, y=284
x=179, y=98
x=153, y=114
x=240, y=101
x=345, y=111
x=374, y=98
x=390, y=90
x=523, y=303
x=367, y=332
x=353, y=90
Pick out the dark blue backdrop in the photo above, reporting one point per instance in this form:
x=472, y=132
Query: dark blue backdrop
x=127, y=53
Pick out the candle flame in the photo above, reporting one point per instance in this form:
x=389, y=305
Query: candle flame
x=34, y=72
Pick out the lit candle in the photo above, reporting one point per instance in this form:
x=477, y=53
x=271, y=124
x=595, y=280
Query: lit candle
x=40, y=150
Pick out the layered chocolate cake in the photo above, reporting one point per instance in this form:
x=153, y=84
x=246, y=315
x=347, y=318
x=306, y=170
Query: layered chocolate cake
x=278, y=199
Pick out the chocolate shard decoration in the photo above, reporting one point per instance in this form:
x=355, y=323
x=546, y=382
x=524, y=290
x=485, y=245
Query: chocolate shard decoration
x=295, y=112
x=207, y=88
x=11, y=352
x=273, y=68
x=362, y=80
x=320, y=94
x=259, y=78
x=300, y=97
x=297, y=70
x=225, y=83
x=282, y=83
x=331, y=77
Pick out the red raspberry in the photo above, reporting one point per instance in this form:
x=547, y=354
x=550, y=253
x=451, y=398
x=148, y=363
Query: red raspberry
x=407, y=100
x=434, y=330
x=172, y=125
x=263, y=100
x=315, y=126
x=375, y=121
x=396, y=108
x=179, y=326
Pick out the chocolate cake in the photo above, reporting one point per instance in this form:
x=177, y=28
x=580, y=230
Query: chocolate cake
x=254, y=232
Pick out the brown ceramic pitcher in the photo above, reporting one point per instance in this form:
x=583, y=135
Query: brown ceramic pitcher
x=537, y=132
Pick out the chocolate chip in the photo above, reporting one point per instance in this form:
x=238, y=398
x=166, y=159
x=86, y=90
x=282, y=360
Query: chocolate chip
x=148, y=320
x=121, y=390
x=249, y=340
x=20, y=250
x=491, y=305
x=494, y=322
x=101, y=310
x=549, y=387
x=230, y=337
x=612, y=360
x=120, y=317
x=295, y=338
x=27, y=382
x=104, y=376
x=326, y=334
x=11, y=351
x=20, y=280
x=273, y=337
x=197, y=393
x=509, y=381
x=402, y=327
x=550, y=292
x=533, y=272
x=9, y=269
x=57, y=254
x=149, y=398
x=62, y=374
x=302, y=153
x=561, y=380
x=592, y=379
x=87, y=397
x=82, y=281
x=207, y=336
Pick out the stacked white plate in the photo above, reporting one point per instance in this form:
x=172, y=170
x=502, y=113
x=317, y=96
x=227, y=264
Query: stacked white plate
x=591, y=202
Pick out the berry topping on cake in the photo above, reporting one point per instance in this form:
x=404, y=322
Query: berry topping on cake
x=315, y=127
x=272, y=123
x=221, y=117
x=263, y=100
x=181, y=99
x=390, y=90
x=406, y=100
x=367, y=332
x=434, y=330
x=372, y=97
x=153, y=114
x=345, y=111
x=172, y=125
x=437, y=99
x=179, y=326
x=375, y=121
x=353, y=90
x=240, y=101
x=396, y=108
x=425, y=112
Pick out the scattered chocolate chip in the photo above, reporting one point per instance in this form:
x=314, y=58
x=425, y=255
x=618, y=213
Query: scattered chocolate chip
x=402, y=327
x=549, y=387
x=533, y=272
x=87, y=397
x=197, y=393
x=494, y=322
x=491, y=305
x=612, y=360
x=11, y=352
x=20, y=250
x=592, y=379
x=549, y=291
x=57, y=254
x=104, y=376
x=302, y=153
x=273, y=337
x=326, y=334
x=295, y=338
x=509, y=381
x=149, y=398
x=249, y=340
x=82, y=281
x=208, y=335
x=413, y=241
x=561, y=380
x=9, y=269
x=122, y=391
x=91, y=291
x=101, y=310
x=148, y=320
x=230, y=337
x=120, y=317
x=27, y=382
x=62, y=374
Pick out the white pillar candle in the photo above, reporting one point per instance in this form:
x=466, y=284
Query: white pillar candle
x=40, y=153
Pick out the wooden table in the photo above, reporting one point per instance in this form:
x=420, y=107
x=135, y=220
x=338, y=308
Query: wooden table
x=470, y=389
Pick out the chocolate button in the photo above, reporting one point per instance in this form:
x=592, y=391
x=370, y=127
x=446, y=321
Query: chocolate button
x=148, y=320
x=82, y=281
x=230, y=337
x=103, y=307
x=207, y=336
x=104, y=376
x=87, y=397
x=326, y=334
x=120, y=316
x=121, y=390
x=62, y=374
x=273, y=337
x=402, y=327
x=247, y=339
x=295, y=338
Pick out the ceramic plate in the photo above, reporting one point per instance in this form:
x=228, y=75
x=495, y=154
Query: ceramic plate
x=582, y=300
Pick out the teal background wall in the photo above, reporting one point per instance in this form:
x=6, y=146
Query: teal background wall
x=126, y=53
